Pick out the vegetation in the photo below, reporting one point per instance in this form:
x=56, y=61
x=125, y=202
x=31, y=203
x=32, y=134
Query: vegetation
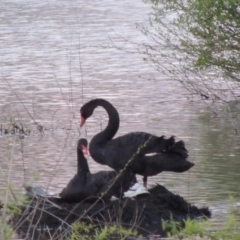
x=80, y=230
x=8, y=210
x=202, y=229
x=200, y=37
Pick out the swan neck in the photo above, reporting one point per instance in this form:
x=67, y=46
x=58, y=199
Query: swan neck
x=113, y=120
x=82, y=162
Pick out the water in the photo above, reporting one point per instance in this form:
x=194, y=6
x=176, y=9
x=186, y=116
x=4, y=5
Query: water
x=55, y=55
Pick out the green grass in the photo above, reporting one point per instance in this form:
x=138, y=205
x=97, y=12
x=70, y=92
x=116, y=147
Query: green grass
x=81, y=230
x=201, y=229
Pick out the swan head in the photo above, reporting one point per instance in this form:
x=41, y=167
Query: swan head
x=87, y=110
x=83, y=145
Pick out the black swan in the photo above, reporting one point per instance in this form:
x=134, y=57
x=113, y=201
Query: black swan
x=86, y=185
x=131, y=148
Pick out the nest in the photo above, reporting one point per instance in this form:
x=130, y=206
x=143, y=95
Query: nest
x=145, y=212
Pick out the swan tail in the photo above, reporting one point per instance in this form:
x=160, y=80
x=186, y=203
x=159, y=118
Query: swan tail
x=179, y=148
x=162, y=144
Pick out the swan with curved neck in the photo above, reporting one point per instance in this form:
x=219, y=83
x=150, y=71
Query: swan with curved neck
x=130, y=149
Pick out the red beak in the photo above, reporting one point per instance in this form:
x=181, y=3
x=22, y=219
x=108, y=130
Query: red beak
x=83, y=120
x=85, y=150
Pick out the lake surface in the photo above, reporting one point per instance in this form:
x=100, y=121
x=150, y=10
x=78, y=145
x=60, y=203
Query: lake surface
x=56, y=55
